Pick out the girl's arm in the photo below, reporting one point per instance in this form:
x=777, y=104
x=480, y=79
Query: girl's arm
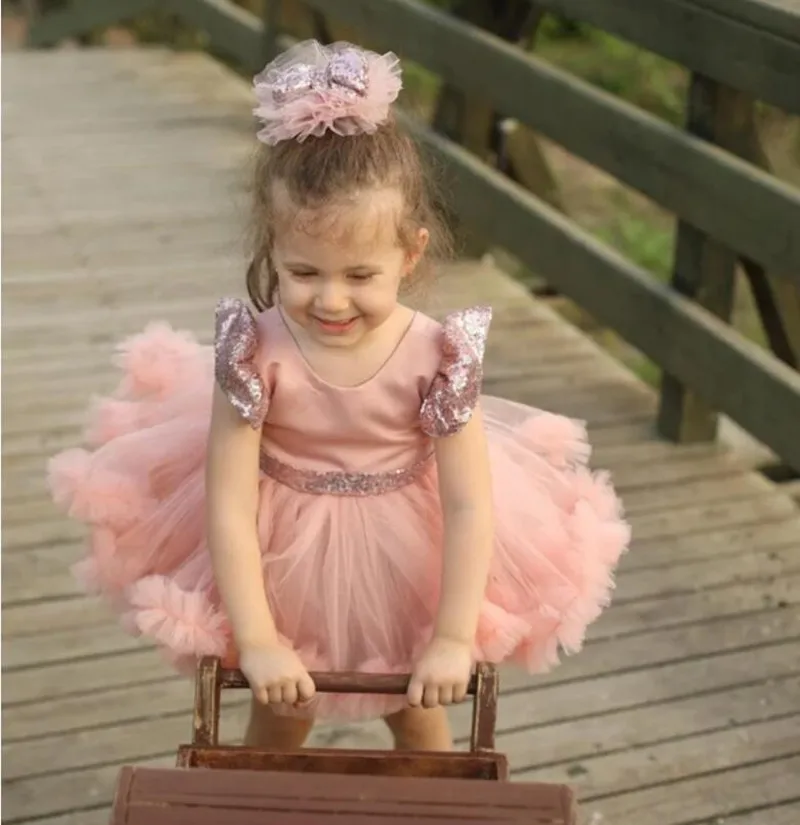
x=241, y=400
x=232, y=476
x=442, y=673
x=466, y=497
x=274, y=671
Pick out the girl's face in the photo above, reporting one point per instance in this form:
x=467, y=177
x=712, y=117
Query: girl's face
x=340, y=268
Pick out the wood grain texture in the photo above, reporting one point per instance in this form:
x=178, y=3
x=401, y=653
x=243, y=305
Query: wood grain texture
x=327, y=761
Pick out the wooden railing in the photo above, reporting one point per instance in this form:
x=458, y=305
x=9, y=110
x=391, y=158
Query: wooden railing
x=731, y=211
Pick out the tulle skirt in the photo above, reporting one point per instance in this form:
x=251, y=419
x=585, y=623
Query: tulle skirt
x=353, y=582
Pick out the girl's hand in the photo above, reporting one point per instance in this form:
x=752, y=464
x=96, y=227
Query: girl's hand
x=441, y=676
x=276, y=675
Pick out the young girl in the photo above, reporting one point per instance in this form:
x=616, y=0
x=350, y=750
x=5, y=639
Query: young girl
x=326, y=489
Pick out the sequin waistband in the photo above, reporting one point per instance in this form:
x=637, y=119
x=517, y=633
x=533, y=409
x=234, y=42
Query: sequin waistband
x=341, y=483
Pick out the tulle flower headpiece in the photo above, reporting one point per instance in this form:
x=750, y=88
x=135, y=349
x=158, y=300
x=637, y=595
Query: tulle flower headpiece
x=311, y=89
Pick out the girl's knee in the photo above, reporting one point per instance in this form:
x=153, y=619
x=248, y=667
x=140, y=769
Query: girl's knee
x=275, y=731
x=421, y=729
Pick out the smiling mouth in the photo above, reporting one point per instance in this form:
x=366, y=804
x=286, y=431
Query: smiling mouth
x=335, y=326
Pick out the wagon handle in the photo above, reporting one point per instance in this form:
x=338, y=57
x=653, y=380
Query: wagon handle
x=211, y=678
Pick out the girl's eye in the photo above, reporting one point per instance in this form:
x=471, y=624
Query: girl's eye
x=302, y=273
x=362, y=276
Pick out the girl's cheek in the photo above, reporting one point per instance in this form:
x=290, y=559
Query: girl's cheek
x=294, y=292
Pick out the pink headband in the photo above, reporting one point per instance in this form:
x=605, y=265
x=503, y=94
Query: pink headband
x=311, y=89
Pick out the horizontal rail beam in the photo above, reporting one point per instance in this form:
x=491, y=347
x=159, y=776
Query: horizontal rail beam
x=705, y=36
x=233, y=31
x=781, y=17
x=83, y=16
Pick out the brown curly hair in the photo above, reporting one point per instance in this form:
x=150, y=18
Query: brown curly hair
x=325, y=169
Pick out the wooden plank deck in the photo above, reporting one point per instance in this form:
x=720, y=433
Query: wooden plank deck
x=122, y=181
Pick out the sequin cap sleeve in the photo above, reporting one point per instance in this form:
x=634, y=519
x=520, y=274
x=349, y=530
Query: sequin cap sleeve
x=235, y=347
x=455, y=390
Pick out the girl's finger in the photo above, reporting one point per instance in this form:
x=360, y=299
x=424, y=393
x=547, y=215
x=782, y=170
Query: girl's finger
x=430, y=697
x=446, y=695
x=289, y=693
x=415, y=693
x=275, y=694
x=306, y=689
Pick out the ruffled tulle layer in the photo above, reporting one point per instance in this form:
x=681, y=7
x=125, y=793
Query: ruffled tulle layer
x=352, y=582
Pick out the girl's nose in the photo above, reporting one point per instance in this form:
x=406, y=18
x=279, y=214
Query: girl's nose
x=332, y=298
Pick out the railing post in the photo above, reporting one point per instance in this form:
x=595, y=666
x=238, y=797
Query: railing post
x=704, y=269
x=473, y=122
x=776, y=297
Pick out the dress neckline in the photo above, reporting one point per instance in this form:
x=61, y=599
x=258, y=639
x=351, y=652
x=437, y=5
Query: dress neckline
x=345, y=387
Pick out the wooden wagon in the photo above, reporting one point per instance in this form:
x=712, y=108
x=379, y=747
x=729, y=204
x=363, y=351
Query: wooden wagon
x=215, y=784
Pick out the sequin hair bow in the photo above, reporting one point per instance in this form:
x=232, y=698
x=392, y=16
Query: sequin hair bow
x=311, y=89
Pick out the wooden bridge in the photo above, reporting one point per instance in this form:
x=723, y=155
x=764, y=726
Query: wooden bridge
x=124, y=182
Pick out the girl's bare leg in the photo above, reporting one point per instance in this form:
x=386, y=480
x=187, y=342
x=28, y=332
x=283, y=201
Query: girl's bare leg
x=269, y=731
x=420, y=729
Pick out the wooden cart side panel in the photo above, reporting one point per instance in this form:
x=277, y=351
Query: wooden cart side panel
x=203, y=797
x=569, y=806
x=235, y=816
x=491, y=766
x=122, y=795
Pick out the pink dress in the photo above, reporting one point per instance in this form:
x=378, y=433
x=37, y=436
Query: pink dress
x=349, y=519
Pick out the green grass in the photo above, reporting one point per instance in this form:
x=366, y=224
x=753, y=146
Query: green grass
x=640, y=77
x=639, y=239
